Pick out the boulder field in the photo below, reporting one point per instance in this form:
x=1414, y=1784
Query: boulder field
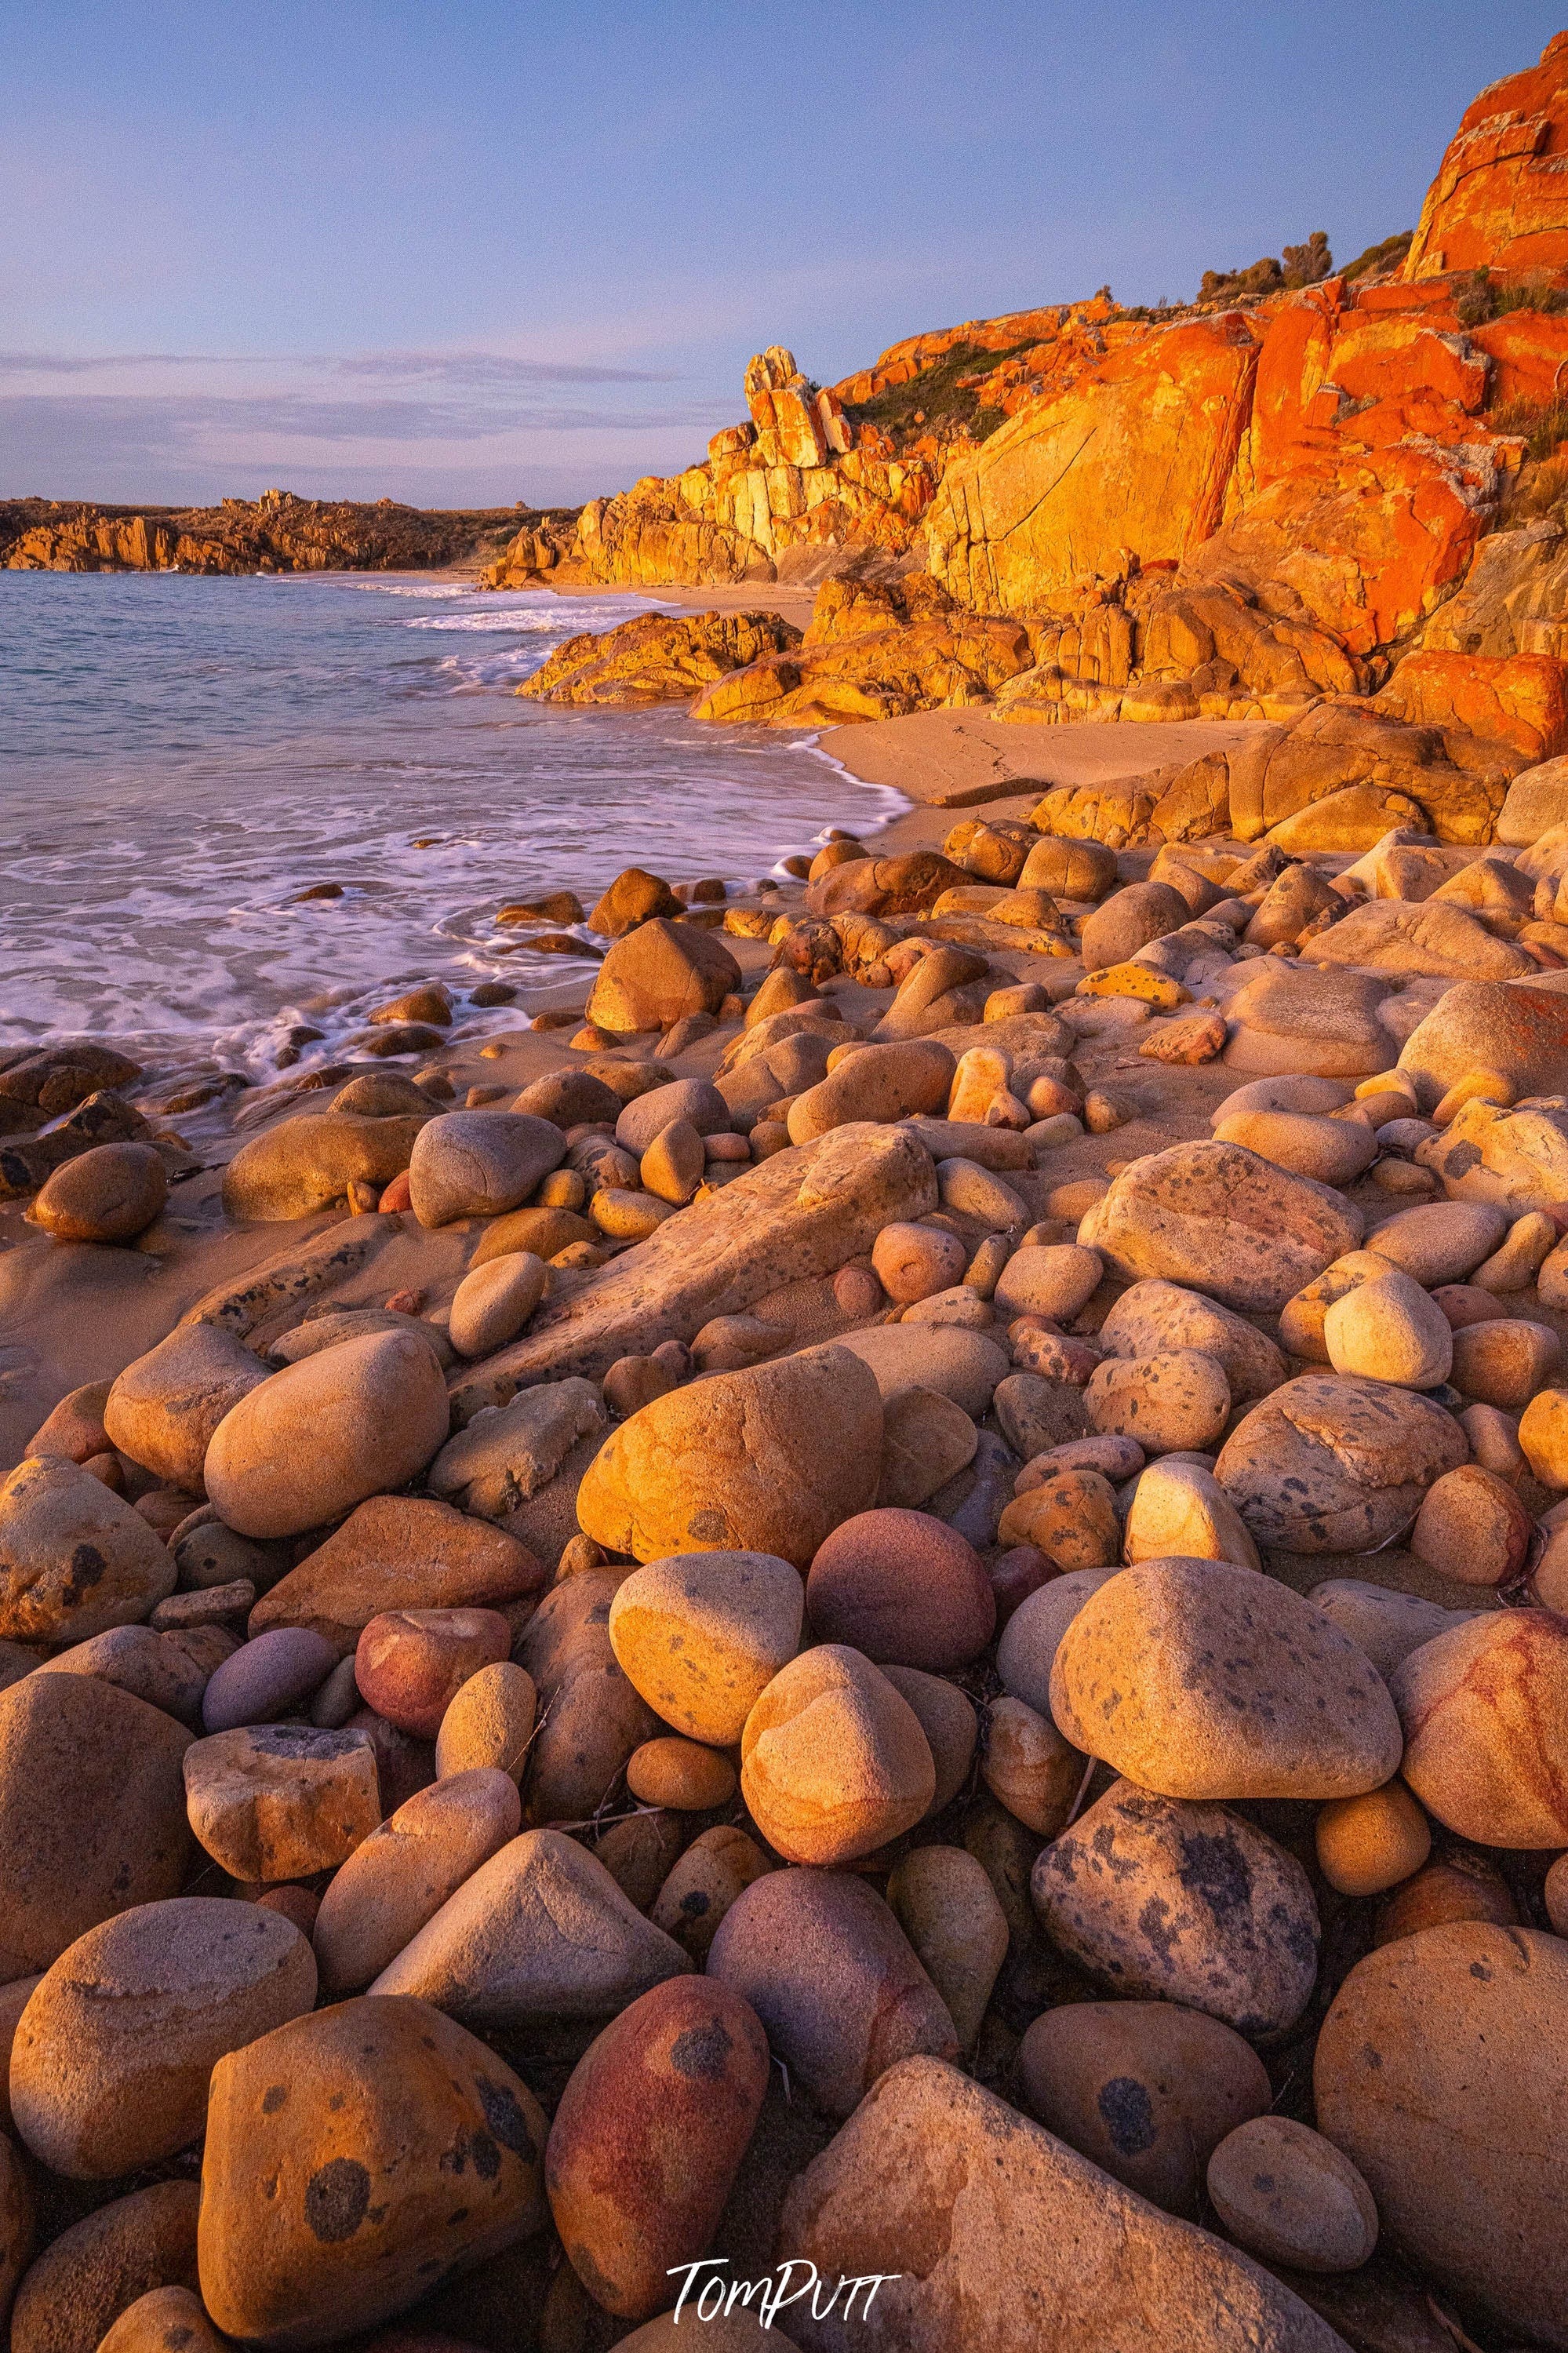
x=906, y=1617
x=866, y=1647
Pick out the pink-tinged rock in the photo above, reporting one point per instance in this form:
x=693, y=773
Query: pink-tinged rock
x=410, y=1664
x=649, y=2136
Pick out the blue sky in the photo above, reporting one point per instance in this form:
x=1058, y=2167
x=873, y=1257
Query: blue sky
x=471, y=253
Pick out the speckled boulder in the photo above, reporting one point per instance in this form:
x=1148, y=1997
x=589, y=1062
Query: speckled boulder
x=75, y=1559
x=281, y=1800
x=111, y=2061
x=351, y=2159
x=1220, y=1220
x=1181, y=1902
x=1200, y=1678
x=1331, y=1464
x=1442, y=2073
x=702, y=1635
x=1146, y=2090
x=769, y=1460
x=648, y=2138
x=826, y=1966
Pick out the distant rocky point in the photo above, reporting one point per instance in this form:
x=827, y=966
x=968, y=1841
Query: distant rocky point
x=276, y=532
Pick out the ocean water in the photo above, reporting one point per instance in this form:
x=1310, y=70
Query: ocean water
x=180, y=757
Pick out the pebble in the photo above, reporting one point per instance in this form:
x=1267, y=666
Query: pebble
x=702, y=1884
x=1484, y=1712
x=682, y=1774
x=1028, y=1767
x=1058, y=1281
x=1420, y=2079
x=1388, y=1329
x=926, y=1441
x=92, y=1813
x=479, y=1163
x=1368, y=1845
x=947, y=1718
x=541, y=1930
x=281, y=1802
x=1472, y=1528
x=1178, y=1508
x=84, y=2279
x=1335, y=1464
x=1171, y=1404
x=1505, y=1361
x=75, y=1558
x=1288, y=2196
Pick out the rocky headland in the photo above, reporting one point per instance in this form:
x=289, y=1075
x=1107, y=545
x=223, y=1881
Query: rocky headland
x=276, y=532
x=864, y=1641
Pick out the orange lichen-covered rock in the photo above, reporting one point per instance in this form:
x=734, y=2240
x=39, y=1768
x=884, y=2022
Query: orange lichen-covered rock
x=1135, y=451
x=1519, y=699
x=1500, y=197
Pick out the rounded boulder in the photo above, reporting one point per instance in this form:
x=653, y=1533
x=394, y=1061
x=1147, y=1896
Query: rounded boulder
x=904, y=1588
x=767, y=1459
x=113, y=2054
x=835, y=1983
x=1145, y=2090
x=1200, y=1678
x=833, y=1761
x=1441, y=2071
x=649, y=2136
x=303, y=1449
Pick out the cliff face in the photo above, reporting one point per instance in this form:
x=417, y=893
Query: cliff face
x=1309, y=474
x=277, y=532
x=1500, y=199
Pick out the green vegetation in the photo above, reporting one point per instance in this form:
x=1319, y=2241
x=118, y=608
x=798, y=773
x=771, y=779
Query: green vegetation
x=942, y=401
x=1298, y=265
x=1377, y=258
x=1486, y=298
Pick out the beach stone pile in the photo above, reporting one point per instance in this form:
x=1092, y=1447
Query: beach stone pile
x=922, y=1664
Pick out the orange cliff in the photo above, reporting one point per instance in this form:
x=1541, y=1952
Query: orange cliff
x=1229, y=510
